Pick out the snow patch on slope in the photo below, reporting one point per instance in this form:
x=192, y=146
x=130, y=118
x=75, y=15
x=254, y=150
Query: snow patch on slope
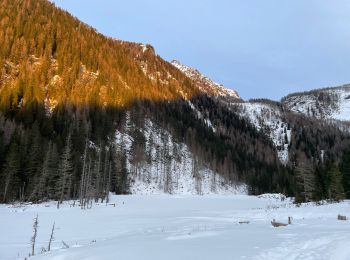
x=268, y=119
x=343, y=111
x=200, y=116
x=206, y=85
x=330, y=103
x=168, y=166
x=144, y=48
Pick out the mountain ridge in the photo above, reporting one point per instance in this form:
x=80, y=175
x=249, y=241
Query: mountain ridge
x=331, y=103
x=206, y=85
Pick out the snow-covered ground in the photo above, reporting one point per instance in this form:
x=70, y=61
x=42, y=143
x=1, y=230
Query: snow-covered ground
x=343, y=111
x=179, y=227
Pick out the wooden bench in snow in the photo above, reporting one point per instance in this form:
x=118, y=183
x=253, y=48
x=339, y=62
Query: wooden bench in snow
x=340, y=217
x=243, y=222
x=278, y=224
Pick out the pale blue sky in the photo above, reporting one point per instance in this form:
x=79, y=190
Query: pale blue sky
x=261, y=48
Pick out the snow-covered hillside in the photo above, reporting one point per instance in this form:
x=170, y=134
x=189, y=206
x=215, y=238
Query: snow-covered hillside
x=178, y=227
x=271, y=118
x=162, y=164
x=205, y=84
x=267, y=118
x=329, y=103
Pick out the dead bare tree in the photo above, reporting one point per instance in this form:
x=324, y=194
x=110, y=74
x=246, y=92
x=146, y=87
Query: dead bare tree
x=83, y=176
x=65, y=245
x=35, y=234
x=51, y=237
x=108, y=188
x=97, y=171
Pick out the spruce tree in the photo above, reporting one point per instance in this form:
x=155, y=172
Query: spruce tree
x=335, y=187
x=53, y=178
x=33, y=162
x=40, y=190
x=65, y=170
x=10, y=171
x=345, y=170
x=305, y=179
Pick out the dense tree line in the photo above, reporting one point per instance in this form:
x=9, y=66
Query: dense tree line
x=317, y=151
x=43, y=159
x=73, y=152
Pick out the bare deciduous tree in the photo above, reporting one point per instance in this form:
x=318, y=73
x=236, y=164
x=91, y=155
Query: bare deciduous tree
x=35, y=234
x=51, y=237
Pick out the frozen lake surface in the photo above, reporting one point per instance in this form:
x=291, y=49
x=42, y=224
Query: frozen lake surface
x=179, y=227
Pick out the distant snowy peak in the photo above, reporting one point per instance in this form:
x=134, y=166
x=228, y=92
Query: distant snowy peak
x=205, y=84
x=328, y=103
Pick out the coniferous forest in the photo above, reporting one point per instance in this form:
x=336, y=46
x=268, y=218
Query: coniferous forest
x=65, y=90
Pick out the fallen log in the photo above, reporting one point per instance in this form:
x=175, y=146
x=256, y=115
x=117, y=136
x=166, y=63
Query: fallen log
x=278, y=224
x=340, y=217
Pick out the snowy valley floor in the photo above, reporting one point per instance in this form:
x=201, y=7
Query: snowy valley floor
x=179, y=227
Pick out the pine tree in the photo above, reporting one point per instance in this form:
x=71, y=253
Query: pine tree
x=335, y=187
x=65, y=170
x=33, y=159
x=40, y=190
x=53, y=178
x=345, y=170
x=12, y=165
x=305, y=179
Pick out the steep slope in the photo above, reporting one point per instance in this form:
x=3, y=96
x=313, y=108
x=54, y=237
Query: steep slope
x=268, y=117
x=47, y=55
x=168, y=166
x=329, y=106
x=297, y=137
x=82, y=114
x=66, y=93
x=327, y=103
